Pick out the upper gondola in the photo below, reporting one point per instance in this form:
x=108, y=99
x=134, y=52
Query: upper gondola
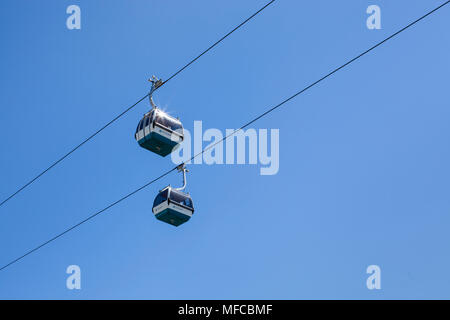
x=157, y=131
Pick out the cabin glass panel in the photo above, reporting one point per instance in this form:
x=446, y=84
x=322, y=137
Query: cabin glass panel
x=139, y=124
x=180, y=198
x=167, y=122
x=160, y=198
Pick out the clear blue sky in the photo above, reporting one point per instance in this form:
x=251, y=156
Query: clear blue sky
x=363, y=179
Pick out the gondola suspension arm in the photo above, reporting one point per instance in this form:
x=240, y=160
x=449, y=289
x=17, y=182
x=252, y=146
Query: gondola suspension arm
x=180, y=168
x=156, y=83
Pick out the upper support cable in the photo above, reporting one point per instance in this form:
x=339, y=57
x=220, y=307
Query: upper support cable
x=131, y=107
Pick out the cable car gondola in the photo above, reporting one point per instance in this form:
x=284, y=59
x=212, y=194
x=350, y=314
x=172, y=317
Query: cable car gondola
x=172, y=205
x=158, y=131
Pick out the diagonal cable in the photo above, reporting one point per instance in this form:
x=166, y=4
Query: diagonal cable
x=129, y=108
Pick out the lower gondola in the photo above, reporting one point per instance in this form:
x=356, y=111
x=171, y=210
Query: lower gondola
x=173, y=206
